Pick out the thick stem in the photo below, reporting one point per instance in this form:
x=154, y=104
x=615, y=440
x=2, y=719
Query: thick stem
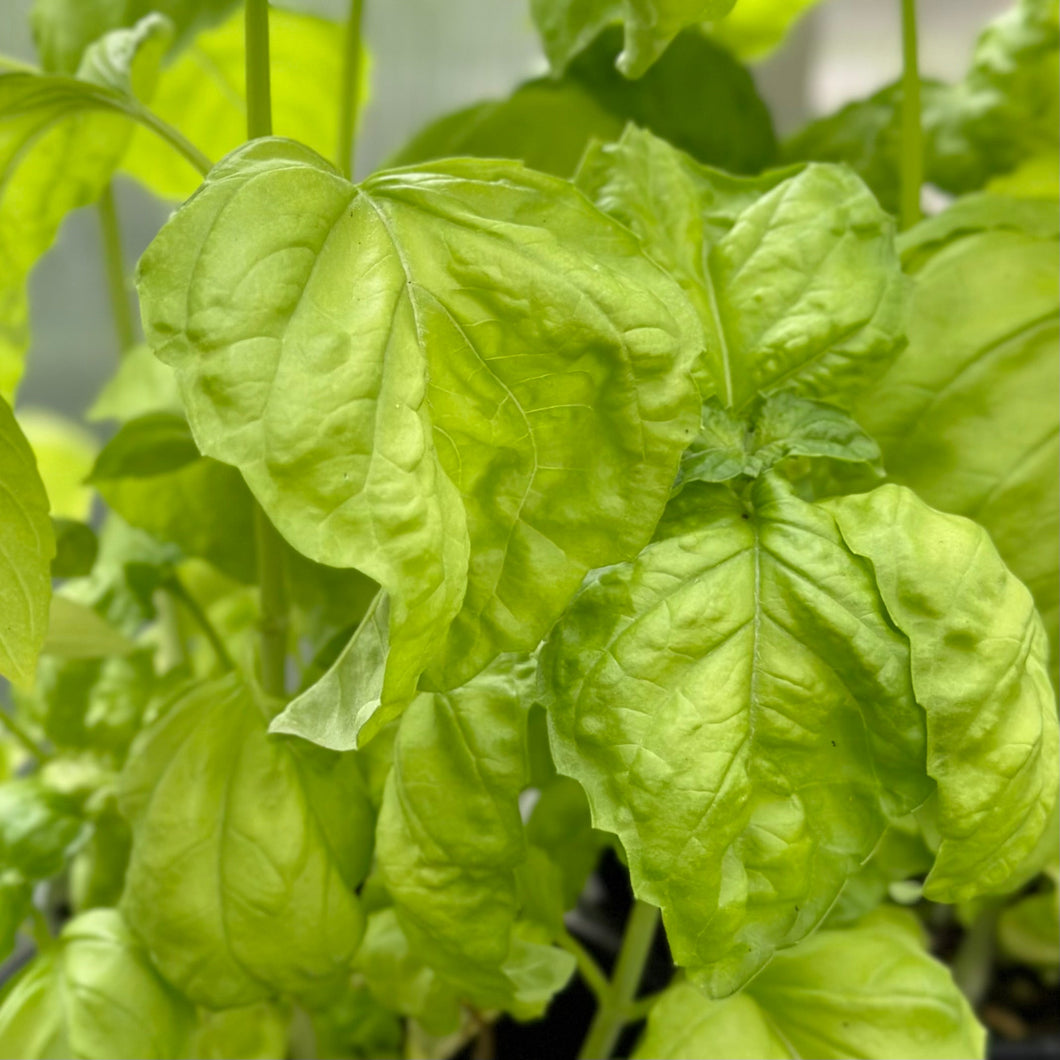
x=273, y=624
x=350, y=100
x=114, y=263
x=912, y=158
x=615, y=1012
x=259, y=92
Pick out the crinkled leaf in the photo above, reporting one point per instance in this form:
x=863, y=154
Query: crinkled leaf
x=1003, y=112
x=450, y=839
x=737, y=705
x=783, y=426
x=38, y=826
x=60, y=141
x=794, y=274
x=871, y=990
x=397, y=430
x=246, y=852
x=978, y=657
x=358, y=1027
x=76, y=631
x=967, y=416
x=27, y=545
x=64, y=29
x=568, y=26
x=96, y=996
x=755, y=27
x=548, y=122
x=202, y=93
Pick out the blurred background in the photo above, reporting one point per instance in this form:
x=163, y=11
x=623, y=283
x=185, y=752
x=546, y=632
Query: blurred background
x=429, y=57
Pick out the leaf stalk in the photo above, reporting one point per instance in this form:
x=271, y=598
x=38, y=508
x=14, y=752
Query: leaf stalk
x=912, y=156
x=350, y=98
x=114, y=266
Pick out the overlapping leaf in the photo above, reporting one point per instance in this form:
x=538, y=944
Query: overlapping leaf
x=967, y=416
x=438, y=364
x=742, y=707
x=794, y=274
x=871, y=991
x=246, y=852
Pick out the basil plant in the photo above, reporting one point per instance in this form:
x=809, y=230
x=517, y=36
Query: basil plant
x=600, y=498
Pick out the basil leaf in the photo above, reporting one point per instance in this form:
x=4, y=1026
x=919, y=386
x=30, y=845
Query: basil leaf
x=64, y=451
x=95, y=995
x=254, y=1032
x=141, y=384
x=236, y=837
x=967, y=416
x=755, y=27
x=60, y=141
x=76, y=548
x=568, y=26
x=78, y=632
x=452, y=873
x=436, y=433
x=38, y=828
x=871, y=990
x=978, y=656
x=548, y=122
x=737, y=705
x=202, y=93
x=27, y=545
x=794, y=274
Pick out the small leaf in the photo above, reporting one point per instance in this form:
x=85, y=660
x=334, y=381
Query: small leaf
x=65, y=452
x=76, y=548
x=142, y=384
x=38, y=828
x=246, y=852
x=871, y=991
x=150, y=445
x=95, y=995
x=755, y=27
x=27, y=545
x=794, y=274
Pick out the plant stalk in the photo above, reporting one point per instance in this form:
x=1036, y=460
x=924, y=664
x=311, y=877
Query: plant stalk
x=350, y=100
x=176, y=589
x=114, y=264
x=616, y=1010
x=273, y=625
x=29, y=745
x=259, y=91
x=912, y=157
x=588, y=969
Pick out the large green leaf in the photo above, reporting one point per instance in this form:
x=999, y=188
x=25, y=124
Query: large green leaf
x=27, y=545
x=871, y=991
x=95, y=995
x=203, y=94
x=568, y=26
x=64, y=29
x=967, y=416
x=548, y=122
x=978, y=657
x=1005, y=111
x=794, y=274
x=246, y=851
x=60, y=141
x=436, y=363
x=450, y=840
x=738, y=707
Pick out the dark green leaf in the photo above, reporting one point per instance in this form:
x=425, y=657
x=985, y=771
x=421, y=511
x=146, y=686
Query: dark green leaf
x=76, y=548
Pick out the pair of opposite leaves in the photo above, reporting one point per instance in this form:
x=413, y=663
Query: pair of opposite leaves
x=446, y=433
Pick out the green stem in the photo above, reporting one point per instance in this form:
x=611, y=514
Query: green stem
x=172, y=650
x=39, y=930
x=350, y=99
x=912, y=159
x=176, y=588
x=273, y=624
x=973, y=963
x=13, y=726
x=176, y=139
x=259, y=92
x=614, y=1013
x=589, y=970
x=114, y=263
